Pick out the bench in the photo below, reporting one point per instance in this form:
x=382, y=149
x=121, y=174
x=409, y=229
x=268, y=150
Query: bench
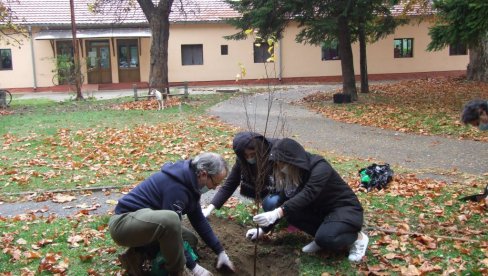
x=174, y=89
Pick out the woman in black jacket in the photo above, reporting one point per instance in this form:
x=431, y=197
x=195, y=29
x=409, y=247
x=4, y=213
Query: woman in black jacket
x=251, y=169
x=315, y=199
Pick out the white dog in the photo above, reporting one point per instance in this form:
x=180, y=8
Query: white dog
x=159, y=98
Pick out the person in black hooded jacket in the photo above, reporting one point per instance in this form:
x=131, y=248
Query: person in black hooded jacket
x=251, y=167
x=150, y=216
x=315, y=199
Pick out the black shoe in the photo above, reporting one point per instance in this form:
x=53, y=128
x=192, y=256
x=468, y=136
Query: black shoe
x=477, y=198
x=132, y=261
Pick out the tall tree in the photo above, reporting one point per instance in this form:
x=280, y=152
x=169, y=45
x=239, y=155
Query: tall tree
x=320, y=21
x=157, y=14
x=329, y=22
x=466, y=22
x=373, y=20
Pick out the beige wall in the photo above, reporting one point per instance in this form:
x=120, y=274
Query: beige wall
x=302, y=60
x=215, y=66
x=45, y=63
x=21, y=74
x=298, y=60
x=381, y=61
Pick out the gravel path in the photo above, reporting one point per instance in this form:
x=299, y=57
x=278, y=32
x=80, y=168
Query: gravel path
x=317, y=132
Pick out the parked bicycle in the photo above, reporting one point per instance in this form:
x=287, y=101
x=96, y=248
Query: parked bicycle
x=8, y=98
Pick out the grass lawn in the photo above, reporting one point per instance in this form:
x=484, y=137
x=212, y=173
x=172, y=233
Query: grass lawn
x=416, y=226
x=58, y=146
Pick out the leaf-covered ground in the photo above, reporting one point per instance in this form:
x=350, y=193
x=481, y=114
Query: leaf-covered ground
x=416, y=226
x=423, y=106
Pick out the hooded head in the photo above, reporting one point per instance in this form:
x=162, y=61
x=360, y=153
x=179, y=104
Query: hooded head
x=290, y=151
x=250, y=141
x=290, y=162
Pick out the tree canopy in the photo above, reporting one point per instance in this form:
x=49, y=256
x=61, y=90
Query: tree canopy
x=459, y=21
x=8, y=29
x=321, y=23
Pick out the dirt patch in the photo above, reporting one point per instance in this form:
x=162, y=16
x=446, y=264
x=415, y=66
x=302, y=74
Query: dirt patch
x=275, y=257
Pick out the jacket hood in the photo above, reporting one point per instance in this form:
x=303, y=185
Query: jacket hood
x=242, y=140
x=182, y=172
x=289, y=151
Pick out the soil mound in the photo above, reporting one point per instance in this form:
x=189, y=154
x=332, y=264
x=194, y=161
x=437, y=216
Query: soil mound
x=274, y=256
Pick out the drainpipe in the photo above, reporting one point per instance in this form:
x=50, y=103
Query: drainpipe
x=280, y=59
x=33, y=57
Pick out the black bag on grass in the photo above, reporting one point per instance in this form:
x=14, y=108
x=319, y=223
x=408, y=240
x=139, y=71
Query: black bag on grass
x=376, y=176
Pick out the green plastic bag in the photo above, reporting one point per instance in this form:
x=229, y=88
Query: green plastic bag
x=157, y=264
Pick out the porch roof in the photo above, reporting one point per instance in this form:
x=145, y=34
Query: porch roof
x=93, y=33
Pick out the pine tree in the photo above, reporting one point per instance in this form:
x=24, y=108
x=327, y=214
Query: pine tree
x=465, y=22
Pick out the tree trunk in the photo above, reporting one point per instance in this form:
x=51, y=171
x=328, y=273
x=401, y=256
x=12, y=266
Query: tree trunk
x=363, y=64
x=478, y=62
x=158, y=18
x=347, y=65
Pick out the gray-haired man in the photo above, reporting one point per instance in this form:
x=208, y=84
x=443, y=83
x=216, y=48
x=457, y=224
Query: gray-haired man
x=151, y=214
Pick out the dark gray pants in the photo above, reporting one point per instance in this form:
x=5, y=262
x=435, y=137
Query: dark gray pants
x=329, y=234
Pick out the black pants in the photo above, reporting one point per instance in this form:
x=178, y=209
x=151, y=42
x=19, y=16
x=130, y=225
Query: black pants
x=329, y=234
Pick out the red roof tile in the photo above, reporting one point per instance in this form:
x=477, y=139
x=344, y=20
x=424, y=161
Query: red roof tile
x=57, y=12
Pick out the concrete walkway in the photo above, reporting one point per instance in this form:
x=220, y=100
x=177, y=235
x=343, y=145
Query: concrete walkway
x=101, y=94
x=428, y=153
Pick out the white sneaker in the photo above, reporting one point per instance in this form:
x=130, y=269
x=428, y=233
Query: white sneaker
x=311, y=248
x=358, y=249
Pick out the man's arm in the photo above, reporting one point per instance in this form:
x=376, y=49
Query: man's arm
x=229, y=187
x=202, y=227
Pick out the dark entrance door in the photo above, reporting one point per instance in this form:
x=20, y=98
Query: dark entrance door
x=98, y=61
x=128, y=60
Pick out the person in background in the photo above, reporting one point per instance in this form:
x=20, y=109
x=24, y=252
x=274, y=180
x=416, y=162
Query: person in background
x=251, y=167
x=150, y=215
x=475, y=113
x=315, y=199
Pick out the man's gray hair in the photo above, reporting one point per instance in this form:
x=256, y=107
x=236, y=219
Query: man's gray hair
x=210, y=162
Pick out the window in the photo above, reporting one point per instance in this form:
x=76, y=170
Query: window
x=403, y=48
x=261, y=54
x=330, y=52
x=6, y=59
x=457, y=49
x=224, y=50
x=192, y=54
x=128, y=53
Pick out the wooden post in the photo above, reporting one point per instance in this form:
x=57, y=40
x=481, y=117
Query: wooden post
x=134, y=88
x=186, y=90
x=3, y=99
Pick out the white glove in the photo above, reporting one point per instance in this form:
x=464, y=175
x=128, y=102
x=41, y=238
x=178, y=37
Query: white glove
x=253, y=234
x=200, y=271
x=206, y=211
x=223, y=260
x=268, y=218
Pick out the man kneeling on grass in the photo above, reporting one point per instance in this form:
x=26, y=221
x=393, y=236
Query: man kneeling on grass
x=148, y=218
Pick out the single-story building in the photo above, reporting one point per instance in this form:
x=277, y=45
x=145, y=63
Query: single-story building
x=117, y=53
